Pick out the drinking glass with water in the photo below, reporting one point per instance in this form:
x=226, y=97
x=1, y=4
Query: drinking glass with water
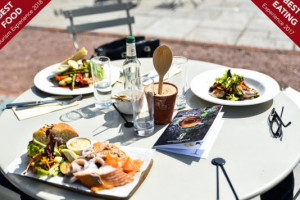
x=143, y=106
x=179, y=65
x=102, y=81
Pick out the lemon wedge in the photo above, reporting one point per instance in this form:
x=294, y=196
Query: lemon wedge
x=61, y=69
x=70, y=155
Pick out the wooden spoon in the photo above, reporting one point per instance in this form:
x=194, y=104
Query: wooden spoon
x=162, y=60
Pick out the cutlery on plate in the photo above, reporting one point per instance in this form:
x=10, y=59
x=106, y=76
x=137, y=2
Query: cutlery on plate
x=30, y=104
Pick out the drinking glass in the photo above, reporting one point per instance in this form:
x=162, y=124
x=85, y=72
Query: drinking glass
x=102, y=81
x=179, y=65
x=143, y=106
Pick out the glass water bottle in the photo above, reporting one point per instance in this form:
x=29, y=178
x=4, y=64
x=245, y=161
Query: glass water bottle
x=131, y=66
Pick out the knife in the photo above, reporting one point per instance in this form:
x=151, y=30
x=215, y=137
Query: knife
x=42, y=102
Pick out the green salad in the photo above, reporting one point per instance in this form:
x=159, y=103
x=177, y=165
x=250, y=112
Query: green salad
x=232, y=87
x=52, y=159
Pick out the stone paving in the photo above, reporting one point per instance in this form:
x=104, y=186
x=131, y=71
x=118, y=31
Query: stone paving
x=229, y=22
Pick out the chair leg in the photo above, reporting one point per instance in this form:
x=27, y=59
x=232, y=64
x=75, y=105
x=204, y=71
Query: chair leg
x=129, y=24
x=130, y=29
x=73, y=32
x=75, y=41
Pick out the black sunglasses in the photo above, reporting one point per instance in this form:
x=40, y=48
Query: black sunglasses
x=275, y=123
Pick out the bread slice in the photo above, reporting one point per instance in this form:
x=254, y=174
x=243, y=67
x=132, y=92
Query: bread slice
x=40, y=135
x=63, y=130
x=80, y=54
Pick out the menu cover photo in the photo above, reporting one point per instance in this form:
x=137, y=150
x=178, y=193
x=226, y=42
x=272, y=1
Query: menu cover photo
x=188, y=130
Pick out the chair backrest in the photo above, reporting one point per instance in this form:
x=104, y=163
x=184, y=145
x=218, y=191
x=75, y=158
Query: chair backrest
x=73, y=29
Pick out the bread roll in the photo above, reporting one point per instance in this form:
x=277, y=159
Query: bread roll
x=62, y=130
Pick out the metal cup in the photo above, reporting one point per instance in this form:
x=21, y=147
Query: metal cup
x=102, y=81
x=143, y=106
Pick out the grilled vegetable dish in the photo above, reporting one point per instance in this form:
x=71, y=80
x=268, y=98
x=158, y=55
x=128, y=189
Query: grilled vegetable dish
x=232, y=87
x=77, y=75
x=74, y=72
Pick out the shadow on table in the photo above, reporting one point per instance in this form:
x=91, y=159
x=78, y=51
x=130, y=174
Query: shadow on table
x=89, y=112
x=112, y=120
x=127, y=135
x=38, y=92
x=86, y=112
x=182, y=158
x=246, y=111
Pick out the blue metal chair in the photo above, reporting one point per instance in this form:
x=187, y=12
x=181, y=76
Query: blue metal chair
x=73, y=29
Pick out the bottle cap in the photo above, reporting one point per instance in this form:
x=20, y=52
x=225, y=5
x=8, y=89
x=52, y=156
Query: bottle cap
x=130, y=39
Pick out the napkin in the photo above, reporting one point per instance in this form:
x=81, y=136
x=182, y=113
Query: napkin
x=293, y=94
x=42, y=109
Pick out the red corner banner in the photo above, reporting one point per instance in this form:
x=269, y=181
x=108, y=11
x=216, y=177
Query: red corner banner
x=15, y=14
x=285, y=14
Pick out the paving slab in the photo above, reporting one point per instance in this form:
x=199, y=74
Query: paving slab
x=279, y=35
x=211, y=35
x=260, y=24
x=262, y=40
x=178, y=28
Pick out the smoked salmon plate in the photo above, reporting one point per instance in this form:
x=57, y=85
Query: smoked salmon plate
x=58, y=155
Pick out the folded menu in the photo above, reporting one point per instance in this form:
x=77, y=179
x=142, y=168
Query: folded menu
x=192, y=132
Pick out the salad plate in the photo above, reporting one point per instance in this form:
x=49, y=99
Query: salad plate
x=42, y=82
x=267, y=87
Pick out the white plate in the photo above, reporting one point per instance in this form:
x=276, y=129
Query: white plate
x=267, y=86
x=18, y=166
x=42, y=82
